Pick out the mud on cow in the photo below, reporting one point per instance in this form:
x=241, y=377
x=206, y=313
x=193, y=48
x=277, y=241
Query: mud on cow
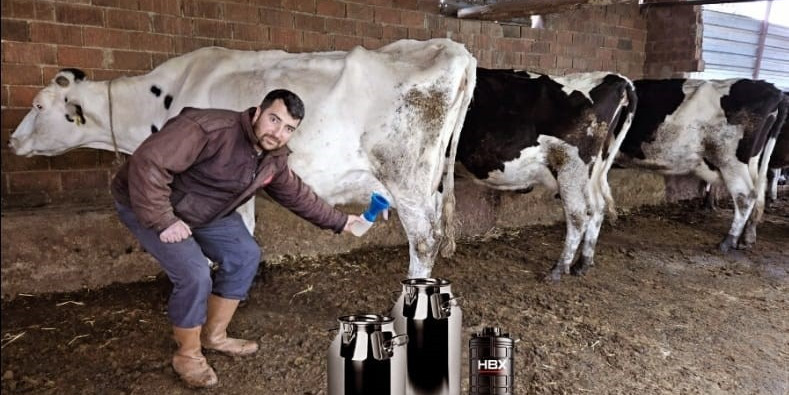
x=376, y=120
x=718, y=130
x=563, y=133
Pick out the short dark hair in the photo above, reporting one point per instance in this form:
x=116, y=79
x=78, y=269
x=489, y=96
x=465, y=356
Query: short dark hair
x=292, y=102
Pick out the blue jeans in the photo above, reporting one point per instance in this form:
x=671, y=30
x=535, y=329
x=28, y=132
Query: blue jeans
x=226, y=241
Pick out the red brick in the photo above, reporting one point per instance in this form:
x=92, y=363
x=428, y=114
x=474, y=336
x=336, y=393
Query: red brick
x=104, y=75
x=80, y=57
x=56, y=33
x=276, y=18
x=372, y=43
x=359, y=11
x=393, y=33
x=24, y=9
x=130, y=5
x=491, y=29
x=152, y=42
x=418, y=34
x=12, y=117
x=316, y=41
x=429, y=6
x=386, y=15
x=105, y=38
x=406, y=4
x=250, y=32
x=212, y=29
x=340, y=26
x=34, y=181
x=189, y=43
x=332, y=8
x=79, y=15
x=309, y=23
x=160, y=7
x=76, y=159
x=241, y=13
x=167, y=24
x=14, y=163
x=86, y=179
x=22, y=95
x=286, y=38
x=346, y=43
x=547, y=61
x=413, y=19
x=15, y=30
x=44, y=11
x=21, y=75
x=129, y=60
x=202, y=9
x=299, y=5
x=29, y=53
x=128, y=20
x=369, y=30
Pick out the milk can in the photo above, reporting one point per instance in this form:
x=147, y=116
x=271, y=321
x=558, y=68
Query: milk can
x=366, y=357
x=430, y=315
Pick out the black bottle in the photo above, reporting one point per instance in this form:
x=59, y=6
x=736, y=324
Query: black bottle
x=491, y=362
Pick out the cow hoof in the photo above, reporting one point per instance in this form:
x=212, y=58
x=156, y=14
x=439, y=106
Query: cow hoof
x=727, y=244
x=553, y=277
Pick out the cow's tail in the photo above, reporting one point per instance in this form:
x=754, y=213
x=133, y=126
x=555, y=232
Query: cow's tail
x=449, y=222
x=623, y=121
x=764, y=162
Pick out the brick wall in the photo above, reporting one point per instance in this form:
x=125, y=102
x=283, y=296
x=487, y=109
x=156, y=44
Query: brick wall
x=674, y=41
x=109, y=38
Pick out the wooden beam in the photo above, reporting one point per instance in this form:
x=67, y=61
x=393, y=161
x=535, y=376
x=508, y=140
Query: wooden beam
x=526, y=8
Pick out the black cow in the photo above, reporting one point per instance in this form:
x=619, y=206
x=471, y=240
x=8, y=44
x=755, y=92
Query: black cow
x=718, y=130
x=523, y=130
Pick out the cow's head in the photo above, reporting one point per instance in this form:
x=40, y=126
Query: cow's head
x=69, y=113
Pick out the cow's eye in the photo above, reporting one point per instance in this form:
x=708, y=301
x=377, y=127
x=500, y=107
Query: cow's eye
x=40, y=107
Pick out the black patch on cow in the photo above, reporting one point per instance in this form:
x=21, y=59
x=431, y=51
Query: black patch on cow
x=749, y=104
x=168, y=100
x=154, y=129
x=156, y=90
x=525, y=190
x=710, y=165
x=656, y=100
x=507, y=114
x=79, y=75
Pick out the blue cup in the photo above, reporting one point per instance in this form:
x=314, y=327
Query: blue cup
x=378, y=203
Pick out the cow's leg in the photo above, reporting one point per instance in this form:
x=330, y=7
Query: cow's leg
x=596, y=209
x=421, y=224
x=572, y=181
x=740, y=186
x=772, y=182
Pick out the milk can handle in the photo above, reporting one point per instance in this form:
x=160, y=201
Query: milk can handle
x=452, y=302
x=396, y=341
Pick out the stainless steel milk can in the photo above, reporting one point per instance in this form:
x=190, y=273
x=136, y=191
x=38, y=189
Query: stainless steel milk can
x=430, y=315
x=366, y=357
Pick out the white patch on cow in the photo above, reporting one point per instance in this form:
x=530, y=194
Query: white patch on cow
x=377, y=120
x=529, y=169
x=580, y=82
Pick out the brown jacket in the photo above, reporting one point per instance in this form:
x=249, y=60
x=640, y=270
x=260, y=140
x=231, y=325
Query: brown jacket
x=202, y=165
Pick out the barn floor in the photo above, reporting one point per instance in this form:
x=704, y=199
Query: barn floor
x=661, y=312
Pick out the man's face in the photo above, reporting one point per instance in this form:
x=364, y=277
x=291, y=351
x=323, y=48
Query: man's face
x=274, y=126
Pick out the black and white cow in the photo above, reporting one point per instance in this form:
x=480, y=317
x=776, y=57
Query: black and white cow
x=779, y=159
x=376, y=120
x=718, y=130
x=563, y=133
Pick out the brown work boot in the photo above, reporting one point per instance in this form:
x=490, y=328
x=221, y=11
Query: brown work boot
x=189, y=362
x=214, y=335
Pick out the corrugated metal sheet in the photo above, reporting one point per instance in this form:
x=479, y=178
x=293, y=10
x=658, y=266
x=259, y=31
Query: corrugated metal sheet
x=730, y=44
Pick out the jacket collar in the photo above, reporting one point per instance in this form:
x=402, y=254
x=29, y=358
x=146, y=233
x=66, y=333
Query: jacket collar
x=246, y=125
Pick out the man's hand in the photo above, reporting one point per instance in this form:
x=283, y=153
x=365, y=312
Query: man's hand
x=176, y=232
x=352, y=219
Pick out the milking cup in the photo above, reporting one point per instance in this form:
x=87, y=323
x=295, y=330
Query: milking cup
x=367, y=357
x=428, y=312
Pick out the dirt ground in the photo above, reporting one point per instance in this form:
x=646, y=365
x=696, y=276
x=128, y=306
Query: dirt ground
x=661, y=312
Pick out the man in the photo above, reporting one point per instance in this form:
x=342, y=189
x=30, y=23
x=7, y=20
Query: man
x=178, y=193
